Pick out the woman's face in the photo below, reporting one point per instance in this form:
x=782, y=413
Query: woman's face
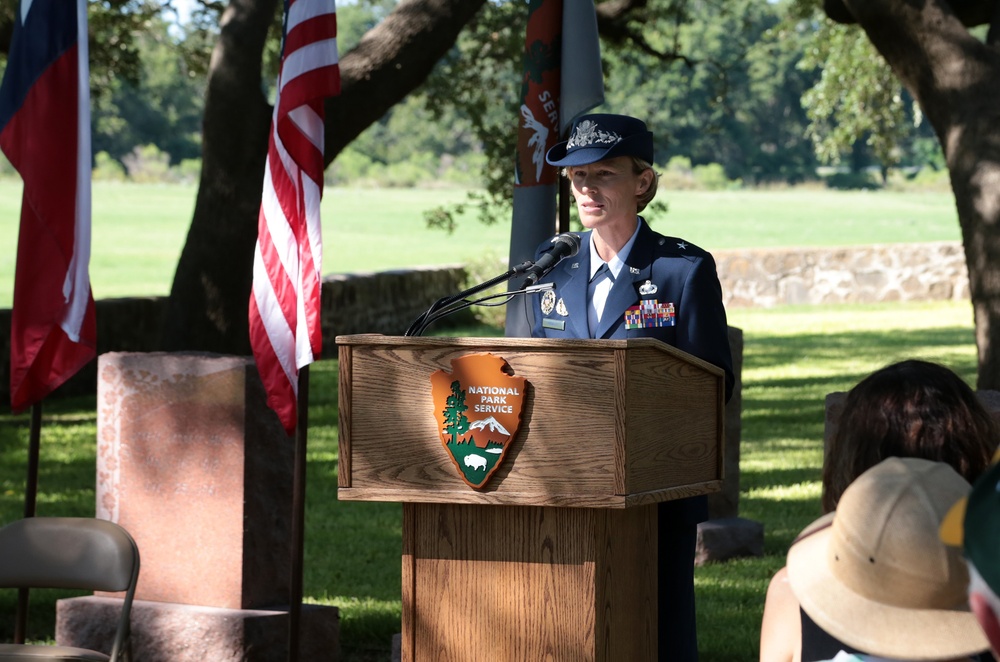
x=606, y=192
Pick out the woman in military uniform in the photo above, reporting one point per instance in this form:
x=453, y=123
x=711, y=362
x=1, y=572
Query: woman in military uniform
x=631, y=282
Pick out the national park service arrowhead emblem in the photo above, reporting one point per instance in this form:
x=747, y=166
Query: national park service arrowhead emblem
x=478, y=409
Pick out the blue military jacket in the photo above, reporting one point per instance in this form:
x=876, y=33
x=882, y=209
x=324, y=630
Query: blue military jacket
x=663, y=277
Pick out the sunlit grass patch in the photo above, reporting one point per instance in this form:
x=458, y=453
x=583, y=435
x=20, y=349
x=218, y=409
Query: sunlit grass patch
x=793, y=357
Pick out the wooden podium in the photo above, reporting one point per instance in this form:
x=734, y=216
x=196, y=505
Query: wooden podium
x=554, y=558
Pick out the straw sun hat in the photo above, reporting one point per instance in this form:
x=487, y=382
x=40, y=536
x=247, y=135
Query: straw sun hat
x=875, y=574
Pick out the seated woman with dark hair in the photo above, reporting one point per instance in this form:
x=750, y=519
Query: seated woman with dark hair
x=908, y=409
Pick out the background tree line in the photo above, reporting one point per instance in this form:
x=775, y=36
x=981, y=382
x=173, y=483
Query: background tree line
x=729, y=112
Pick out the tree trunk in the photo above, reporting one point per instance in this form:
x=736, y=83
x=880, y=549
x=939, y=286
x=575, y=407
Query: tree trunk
x=954, y=77
x=208, y=302
x=208, y=306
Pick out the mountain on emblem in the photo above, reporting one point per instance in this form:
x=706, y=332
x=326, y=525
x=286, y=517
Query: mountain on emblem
x=478, y=409
x=493, y=424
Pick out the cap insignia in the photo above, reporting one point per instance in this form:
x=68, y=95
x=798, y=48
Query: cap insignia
x=587, y=133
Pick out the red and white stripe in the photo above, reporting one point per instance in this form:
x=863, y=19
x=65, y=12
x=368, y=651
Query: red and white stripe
x=285, y=302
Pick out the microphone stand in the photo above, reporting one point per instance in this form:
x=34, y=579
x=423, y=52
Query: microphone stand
x=447, y=305
x=462, y=305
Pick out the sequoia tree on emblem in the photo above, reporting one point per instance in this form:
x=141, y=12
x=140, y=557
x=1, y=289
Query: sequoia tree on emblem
x=478, y=409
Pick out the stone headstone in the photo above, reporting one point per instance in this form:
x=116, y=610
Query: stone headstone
x=192, y=462
x=728, y=538
x=727, y=502
x=171, y=632
x=196, y=467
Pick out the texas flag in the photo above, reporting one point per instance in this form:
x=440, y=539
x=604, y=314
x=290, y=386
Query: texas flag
x=45, y=133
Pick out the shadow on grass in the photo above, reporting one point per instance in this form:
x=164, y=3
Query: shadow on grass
x=353, y=548
x=771, y=351
x=753, y=481
x=785, y=382
x=730, y=599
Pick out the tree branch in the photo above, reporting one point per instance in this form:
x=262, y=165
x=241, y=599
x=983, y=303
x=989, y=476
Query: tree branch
x=393, y=59
x=615, y=23
x=969, y=12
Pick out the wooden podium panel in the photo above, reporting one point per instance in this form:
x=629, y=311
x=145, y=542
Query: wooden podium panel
x=607, y=423
x=528, y=583
x=555, y=556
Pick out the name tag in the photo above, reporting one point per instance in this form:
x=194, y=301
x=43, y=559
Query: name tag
x=559, y=325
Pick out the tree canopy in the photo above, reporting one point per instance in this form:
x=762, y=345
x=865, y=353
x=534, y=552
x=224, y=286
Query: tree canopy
x=951, y=69
x=763, y=89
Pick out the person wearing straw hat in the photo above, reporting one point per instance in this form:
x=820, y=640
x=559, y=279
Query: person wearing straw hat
x=876, y=575
x=974, y=525
x=909, y=408
x=631, y=282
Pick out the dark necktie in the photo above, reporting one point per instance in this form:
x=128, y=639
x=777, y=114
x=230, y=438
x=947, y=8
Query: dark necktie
x=598, y=295
x=603, y=269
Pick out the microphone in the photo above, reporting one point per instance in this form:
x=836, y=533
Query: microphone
x=564, y=245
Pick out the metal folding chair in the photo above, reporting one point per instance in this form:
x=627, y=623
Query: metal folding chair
x=69, y=553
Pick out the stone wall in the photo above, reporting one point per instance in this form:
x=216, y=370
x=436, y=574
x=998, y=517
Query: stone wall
x=856, y=274
x=386, y=302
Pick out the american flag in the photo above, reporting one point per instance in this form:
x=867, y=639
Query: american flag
x=45, y=132
x=285, y=302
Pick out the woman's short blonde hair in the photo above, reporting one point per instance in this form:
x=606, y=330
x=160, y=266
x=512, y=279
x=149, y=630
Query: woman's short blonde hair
x=639, y=166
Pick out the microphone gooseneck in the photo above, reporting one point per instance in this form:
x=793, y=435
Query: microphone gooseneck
x=564, y=245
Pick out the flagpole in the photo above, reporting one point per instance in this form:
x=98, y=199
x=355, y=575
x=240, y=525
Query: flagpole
x=30, y=499
x=564, y=199
x=298, y=515
x=34, y=443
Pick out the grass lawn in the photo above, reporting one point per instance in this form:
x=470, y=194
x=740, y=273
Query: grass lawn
x=139, y=229
x=793, y=357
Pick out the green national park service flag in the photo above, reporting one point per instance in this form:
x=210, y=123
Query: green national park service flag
x=562, y=79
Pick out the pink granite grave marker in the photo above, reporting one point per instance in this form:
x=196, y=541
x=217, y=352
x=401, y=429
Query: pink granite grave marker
x=192, y=462
x=199, y=471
